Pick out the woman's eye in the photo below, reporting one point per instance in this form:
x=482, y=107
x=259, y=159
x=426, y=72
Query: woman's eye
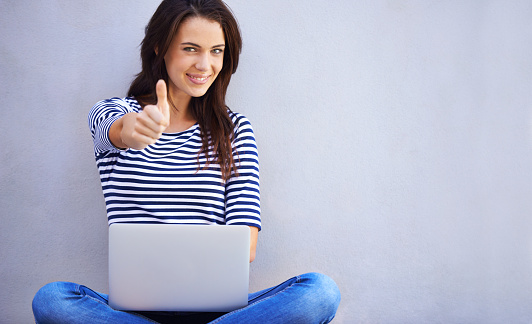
x=189, y=49
x=217, y=51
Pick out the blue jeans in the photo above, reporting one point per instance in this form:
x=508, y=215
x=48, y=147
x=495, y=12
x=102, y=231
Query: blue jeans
x=309, y=298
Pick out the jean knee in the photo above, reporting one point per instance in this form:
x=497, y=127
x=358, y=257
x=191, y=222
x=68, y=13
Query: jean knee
x=53, y=289
x=325, y=291
x=50, y=296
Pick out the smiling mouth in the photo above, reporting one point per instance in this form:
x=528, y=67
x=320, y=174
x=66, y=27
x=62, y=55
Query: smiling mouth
x=198, y=79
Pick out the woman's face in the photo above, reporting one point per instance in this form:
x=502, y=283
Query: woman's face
x=195, y=57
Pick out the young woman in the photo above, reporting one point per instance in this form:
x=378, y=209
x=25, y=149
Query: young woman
x=173, y=152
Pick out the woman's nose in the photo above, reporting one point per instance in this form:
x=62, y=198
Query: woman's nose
x=203, y=62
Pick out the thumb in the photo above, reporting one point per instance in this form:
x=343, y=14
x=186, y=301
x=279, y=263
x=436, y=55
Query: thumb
x=162, y=101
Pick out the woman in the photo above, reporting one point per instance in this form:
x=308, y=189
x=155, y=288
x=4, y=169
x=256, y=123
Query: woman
x=173, y=152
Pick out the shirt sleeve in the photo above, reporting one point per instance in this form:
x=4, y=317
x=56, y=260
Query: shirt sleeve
x=100, y=119
x=242, y=190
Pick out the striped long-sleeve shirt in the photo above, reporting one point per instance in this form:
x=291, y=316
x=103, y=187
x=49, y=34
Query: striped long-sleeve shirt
x=164, y=183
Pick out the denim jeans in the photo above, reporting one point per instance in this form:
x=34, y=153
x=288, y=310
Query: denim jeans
x=309, y=298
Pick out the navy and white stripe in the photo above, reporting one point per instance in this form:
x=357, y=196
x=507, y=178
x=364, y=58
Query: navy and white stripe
x=163, y=184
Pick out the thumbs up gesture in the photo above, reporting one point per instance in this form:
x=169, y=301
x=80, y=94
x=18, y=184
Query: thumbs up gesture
x=144, y=128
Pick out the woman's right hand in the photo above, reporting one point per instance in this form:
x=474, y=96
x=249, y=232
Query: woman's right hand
x=138, y=130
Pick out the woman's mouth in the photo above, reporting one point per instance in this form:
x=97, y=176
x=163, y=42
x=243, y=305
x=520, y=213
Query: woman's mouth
x=198, y=78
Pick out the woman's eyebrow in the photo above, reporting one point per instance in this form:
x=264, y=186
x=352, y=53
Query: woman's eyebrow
x=196, y=45
x=191, y=44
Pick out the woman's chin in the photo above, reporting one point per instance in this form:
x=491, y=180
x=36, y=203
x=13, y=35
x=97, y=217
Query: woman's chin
x=197, y=94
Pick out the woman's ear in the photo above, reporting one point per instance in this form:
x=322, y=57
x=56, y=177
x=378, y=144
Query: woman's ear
x=156, y=50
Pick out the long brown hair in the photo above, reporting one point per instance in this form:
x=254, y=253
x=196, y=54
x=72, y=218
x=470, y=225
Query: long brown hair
x=209, y=110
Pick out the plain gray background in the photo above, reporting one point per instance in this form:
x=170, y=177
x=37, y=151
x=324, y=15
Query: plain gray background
x=395, y=144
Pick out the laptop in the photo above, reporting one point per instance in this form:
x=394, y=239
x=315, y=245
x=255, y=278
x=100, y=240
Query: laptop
x=168, y=267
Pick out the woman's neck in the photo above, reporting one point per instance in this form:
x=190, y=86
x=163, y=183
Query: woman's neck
x=181, y=117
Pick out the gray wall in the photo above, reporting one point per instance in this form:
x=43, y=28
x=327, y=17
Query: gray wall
x=395, y=141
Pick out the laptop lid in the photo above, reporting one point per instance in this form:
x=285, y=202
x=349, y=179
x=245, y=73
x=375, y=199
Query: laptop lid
x=168, y=267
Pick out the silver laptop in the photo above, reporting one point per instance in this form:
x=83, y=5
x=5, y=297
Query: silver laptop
x=160, y=267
